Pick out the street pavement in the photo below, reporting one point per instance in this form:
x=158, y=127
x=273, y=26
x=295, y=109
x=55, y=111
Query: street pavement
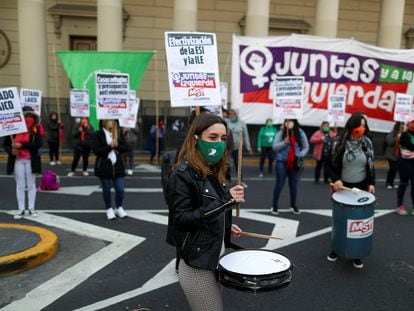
x=126, y=264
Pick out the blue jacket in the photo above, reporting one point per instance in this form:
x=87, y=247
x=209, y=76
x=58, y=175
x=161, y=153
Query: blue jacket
x=282, y=149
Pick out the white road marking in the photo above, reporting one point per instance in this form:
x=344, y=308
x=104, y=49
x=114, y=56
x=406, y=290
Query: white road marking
x=88, y=190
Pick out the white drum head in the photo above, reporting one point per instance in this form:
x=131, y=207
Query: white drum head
x=254, y=262
x=353, y=198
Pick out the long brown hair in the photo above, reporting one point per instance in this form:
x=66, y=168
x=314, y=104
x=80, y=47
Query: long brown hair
x=114, y=129
x=190, y=153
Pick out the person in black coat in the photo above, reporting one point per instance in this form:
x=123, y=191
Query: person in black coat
x=24, y=161
x=53, y=127
x=199, y=200
x=109, y=167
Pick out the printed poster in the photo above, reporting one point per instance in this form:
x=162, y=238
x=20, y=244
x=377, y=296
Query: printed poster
x=336, y=108
x=79, y=103
x=288, y=97
x=133, y=107
x=11, y=115
x=112, y=93
x=31, y=98
x=403, y=104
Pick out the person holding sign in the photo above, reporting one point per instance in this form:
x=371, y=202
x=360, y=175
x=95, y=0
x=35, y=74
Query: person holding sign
x=291, y=146
x=351, y=162
x=322, y=141
x=24, y=161
x=199, y=200
x=109, y=168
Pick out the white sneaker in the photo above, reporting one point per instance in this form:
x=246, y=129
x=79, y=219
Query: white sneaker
x=110, y=213
x=33, y=213
x=261, y=175
x=71, y=174
x=19, y=215
x=120, y=212
x=85, y=173
x=130, y=172
x=52, y=163
x=58, y=163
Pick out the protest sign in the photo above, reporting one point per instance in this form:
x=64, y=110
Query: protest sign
x=112, y=93
x=79, y=103
x=133, y=107
x=403, y=104
x=31, y=98
x=192, y=69
x=288, y=97
x=336, y=108
x=11, y=115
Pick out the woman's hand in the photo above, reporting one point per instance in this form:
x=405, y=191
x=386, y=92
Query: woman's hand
x=371, y=189
x=337, y=186
x=235, y=231
x=237, y=192
x=16, y=145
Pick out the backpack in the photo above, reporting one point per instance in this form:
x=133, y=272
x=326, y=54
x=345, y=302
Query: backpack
x=49, y=181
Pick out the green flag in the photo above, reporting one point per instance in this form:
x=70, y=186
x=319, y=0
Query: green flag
x=81, y=67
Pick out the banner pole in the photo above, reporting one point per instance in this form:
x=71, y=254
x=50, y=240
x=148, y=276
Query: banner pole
x=239, y=166
x=57, y=98
x=157, y=146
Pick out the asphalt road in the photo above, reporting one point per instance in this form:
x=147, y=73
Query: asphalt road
x=126, y=265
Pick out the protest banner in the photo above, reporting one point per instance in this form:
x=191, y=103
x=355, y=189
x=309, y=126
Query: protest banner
x=369, y=76
x=112, y=93
x=403, y=106
x=31, y=98
x=11, y=115
x=336, y=108
x=192, y=69
x=133, y=107
x=288, y=98
x=79, y=103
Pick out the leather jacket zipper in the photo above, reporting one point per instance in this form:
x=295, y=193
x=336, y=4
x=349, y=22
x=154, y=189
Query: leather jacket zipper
x=185, y=241
x=220, y=207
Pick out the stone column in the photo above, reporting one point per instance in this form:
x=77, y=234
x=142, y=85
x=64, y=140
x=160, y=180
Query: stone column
x=257, y=18
x=326, y=19
x=185, y=15
x=391, y=23
x=33, y=45
x=109, y=25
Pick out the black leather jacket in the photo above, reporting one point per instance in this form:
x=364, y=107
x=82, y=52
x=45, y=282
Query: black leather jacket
x=199, y=217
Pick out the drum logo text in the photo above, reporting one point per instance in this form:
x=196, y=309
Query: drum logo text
x=360, y=228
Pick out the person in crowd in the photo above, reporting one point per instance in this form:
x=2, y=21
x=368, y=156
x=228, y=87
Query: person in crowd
x=322, y=141
x=351, y=162
x=152, y=145
x=291, y=146
x=82, y=136
x=235, y=125
x=265, y=140
x=406, y=167
x=108, y=147
x=131, y=139
x=200, y=203
x=24, y=162
x=53, y=128
x=391, y=153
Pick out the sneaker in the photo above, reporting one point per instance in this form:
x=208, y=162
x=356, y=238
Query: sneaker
x=58, y=163
x=52, y=163
x=395, y=186
x=110, y=213
x=295, y=210
x=401, y=210
x=19, y=215
x=274, y=211
x=357, y=263
x=261, y=175
x=85, y=173
x=332, y=256
x=130, y=172
x=120, y=212
x=33, y=213
x=244, y=185
x=389, y=186
x=71, y=174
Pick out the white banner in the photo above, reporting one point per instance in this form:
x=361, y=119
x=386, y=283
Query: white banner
x=79, y=103
x=133, y=104
x=112, y=93
x=31, y=98
x=11, y=115
x=192, y=69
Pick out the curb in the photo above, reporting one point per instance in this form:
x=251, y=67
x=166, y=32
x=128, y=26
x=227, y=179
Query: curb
x=44, y=250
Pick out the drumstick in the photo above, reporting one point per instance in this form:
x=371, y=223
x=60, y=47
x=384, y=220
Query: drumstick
x=261, y=236
x=353, y=190
x=239, y=164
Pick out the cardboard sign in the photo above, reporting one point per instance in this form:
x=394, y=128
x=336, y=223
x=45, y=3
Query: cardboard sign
x=11, y=115
x=336, y=108
x=31, y=98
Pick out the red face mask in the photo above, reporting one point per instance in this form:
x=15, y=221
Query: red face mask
x=29, y=122
x=358, y=132
x=410, y=126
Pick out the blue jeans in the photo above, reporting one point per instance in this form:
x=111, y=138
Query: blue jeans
x=293, y=178
x=119, y=185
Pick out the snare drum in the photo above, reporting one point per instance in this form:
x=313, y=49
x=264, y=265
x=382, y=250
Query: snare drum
x=254, y=270
x=352, y=223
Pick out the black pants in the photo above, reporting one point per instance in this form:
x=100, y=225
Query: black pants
x=77, y=153
x=406, y=170
x=266, y=152
x=318, y=169
x=392, y=172
x=53, y=150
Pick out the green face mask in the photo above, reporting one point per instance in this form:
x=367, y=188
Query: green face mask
x=325, y=129
x=269, y=124
x=234, y=119
x=212, y=151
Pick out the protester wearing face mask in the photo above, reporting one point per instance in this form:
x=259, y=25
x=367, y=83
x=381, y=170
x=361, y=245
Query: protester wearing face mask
x=290, y=144
x=265, y=140
x=322, y=141
x=109, y=144
x=351, y=162
x=406, y=167
x=24, y=162
x=200, y=204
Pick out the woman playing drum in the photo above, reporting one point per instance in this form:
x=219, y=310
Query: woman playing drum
x=351, y=162
x=200, y=205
